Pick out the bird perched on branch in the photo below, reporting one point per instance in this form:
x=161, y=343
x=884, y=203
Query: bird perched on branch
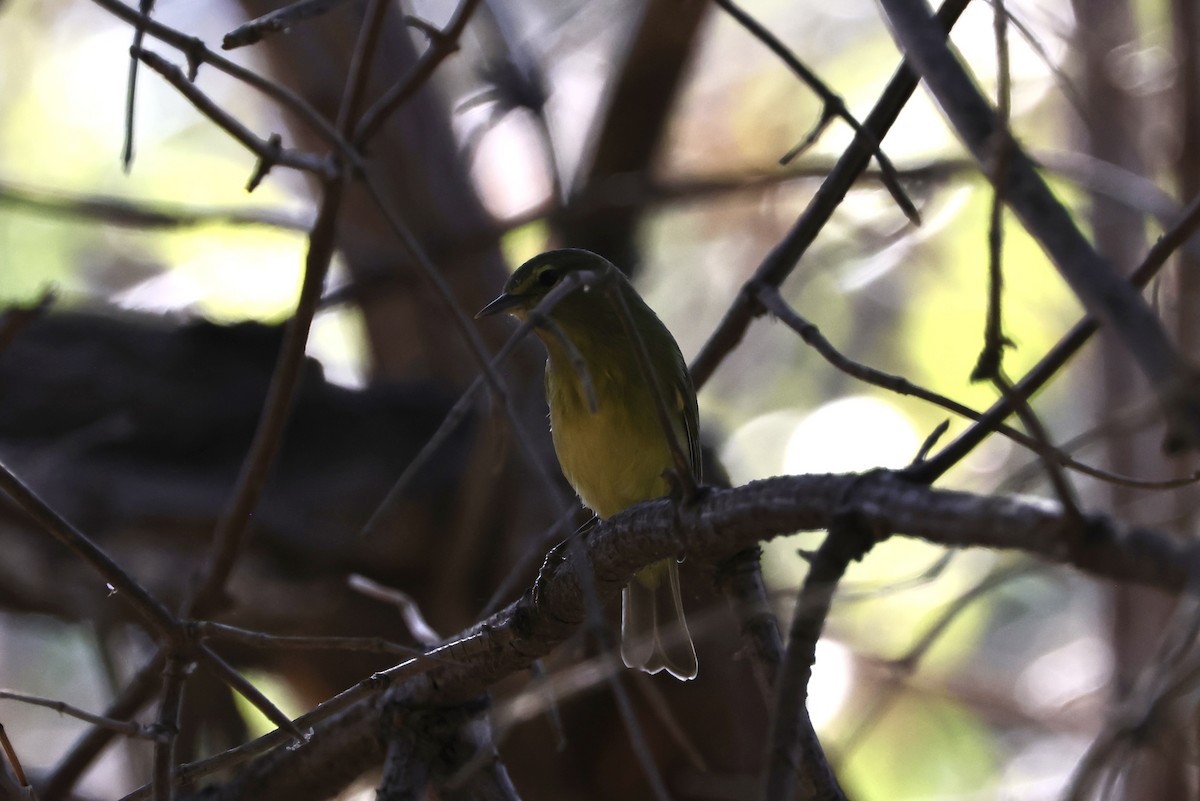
x=613, y=436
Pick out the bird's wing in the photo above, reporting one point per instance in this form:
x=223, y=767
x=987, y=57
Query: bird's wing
x=685, y=401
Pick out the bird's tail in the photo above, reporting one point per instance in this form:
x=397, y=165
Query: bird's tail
x=654, y=633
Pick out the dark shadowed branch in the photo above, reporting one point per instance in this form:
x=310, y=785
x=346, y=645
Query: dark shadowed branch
x=197, y=53
x=1049, y=365
x=783, y=258
x=277, y=21
x=834, y=107
x=1104, y=292
x=719, y=524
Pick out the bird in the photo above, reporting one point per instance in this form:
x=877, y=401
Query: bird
x=607, y=430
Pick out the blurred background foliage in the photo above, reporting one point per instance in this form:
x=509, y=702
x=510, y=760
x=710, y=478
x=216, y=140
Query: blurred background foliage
x=1012, y=691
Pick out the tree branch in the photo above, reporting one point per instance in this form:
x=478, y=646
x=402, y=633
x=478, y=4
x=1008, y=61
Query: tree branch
x=1104, y=292
x=721, y=523
x=783, y=258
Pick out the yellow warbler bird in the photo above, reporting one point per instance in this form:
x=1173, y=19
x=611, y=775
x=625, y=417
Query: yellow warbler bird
x=615, y=454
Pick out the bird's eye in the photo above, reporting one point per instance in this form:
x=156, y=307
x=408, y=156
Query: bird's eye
x=548, y=277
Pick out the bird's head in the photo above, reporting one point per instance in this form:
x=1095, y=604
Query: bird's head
x=534, y=279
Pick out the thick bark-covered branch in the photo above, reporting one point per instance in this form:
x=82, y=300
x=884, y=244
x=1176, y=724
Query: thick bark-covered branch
x=725, y=521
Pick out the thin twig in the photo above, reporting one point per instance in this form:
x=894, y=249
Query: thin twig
x=372, y=686
x=259, y=639
x=207, y=593
x=773, y=301
x=833, y=104
x=637, y=737
x=1050, y=455
x=783, y=258
x=930, y=440
x=1053, y=66
x=483, y=777
x=72, y=766
x=124, y=727
x=197, y=53
x=1021, y=476
x=235, y=519
x=145, y=7
x=740, y=579
x=441, y=46
x=458, y=412
x=1100, y=177
x=675, y=730
x=547, y=691
x=793, y=748
x=14, y=761
x=277, y=21
x=1103, y=292
x=578, y=363
x=152, y=613
x=907, y=664
x=242, y=686
x=992, y=581
x=127, y=213
x=359, y=70
x=413, y=250
x=988, y=367
x=538, y=679
x=410, y=612
x=1052, y=362
x=268, y=151
x=175, y=673
x=776, y=305
x=594, y=618
x=268, y=436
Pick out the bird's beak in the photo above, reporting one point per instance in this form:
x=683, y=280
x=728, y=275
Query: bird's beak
x=503, y=303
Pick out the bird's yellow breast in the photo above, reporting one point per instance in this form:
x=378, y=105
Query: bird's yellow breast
x=614, y=457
